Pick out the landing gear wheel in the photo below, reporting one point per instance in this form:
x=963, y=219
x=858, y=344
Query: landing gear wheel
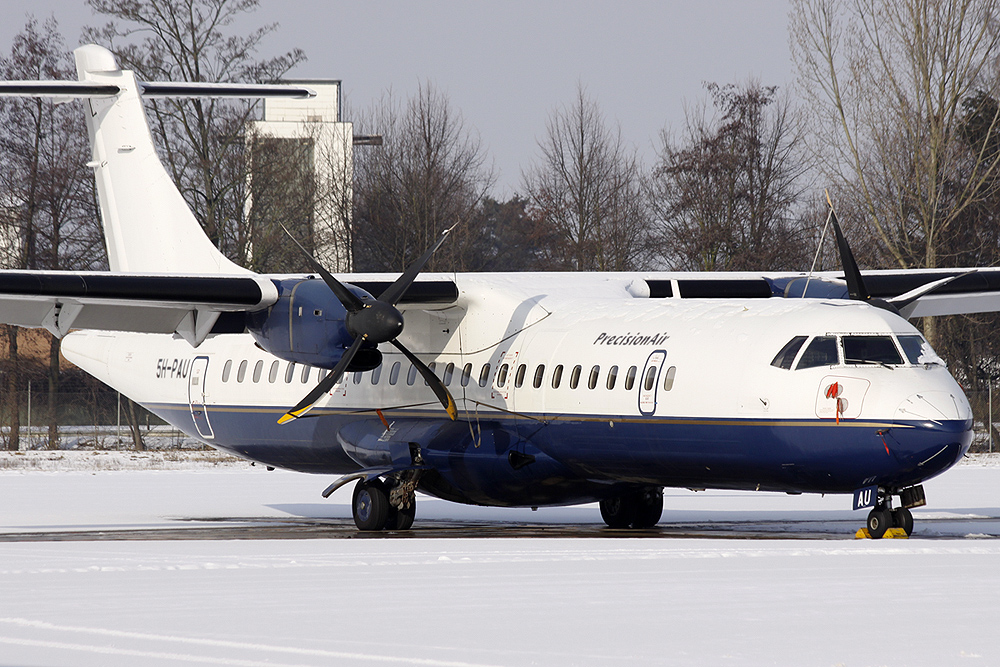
x=619, y=511
x=370, y=506
x=648, y=509
x=879, y=521
x=401, y=519
x=902, y=518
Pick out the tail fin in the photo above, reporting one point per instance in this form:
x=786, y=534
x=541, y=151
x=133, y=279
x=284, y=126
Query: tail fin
x=148, y=226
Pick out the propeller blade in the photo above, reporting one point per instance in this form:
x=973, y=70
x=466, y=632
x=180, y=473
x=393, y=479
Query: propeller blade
x=394, y=292
x=347, y=298
x=325, y=385
x=904, y=301
x=855, y=283
x=435, y=383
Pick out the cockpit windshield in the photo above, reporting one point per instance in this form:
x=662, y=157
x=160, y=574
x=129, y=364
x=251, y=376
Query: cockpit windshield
x=853, y=349
x=919, y=351
x=870, y=350
x=822, y=351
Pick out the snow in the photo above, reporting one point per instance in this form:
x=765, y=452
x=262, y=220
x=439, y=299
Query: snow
x=790, y=600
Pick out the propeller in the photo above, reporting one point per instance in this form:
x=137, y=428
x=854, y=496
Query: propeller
x=373, y=321
x=904, y=304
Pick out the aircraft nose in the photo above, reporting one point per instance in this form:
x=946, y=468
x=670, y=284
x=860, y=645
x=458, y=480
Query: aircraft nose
x=935, y=406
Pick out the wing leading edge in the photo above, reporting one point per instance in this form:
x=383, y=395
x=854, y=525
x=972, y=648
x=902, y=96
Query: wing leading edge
x=186, y=305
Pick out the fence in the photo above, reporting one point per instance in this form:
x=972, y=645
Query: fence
x=89, y=419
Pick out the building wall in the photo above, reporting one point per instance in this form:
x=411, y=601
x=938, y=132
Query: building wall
x=316, y=121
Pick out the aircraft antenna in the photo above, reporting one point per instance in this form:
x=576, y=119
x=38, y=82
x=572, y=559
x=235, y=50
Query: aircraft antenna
x=819, y=248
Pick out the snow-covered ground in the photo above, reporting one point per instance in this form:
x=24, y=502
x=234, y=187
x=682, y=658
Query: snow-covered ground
x=930, y=600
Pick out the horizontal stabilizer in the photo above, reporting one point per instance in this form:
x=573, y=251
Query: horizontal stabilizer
x=84, y=89
x=67, y=89
x=186, y=89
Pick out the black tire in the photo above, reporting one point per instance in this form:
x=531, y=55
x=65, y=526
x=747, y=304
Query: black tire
x=370, y=506
x=619, y=511
x=879, y=521
x=648, y=509
x=903, y=518
x=401, y=519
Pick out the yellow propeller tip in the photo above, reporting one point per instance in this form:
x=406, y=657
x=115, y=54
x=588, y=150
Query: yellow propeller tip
x=285, y=418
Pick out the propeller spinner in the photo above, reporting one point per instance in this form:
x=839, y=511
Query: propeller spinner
x=373, y=321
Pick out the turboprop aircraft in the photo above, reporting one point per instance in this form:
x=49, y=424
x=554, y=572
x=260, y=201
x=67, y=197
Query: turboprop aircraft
x=500, y=389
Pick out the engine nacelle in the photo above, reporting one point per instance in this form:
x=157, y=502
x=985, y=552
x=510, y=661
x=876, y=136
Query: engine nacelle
x=306, y=325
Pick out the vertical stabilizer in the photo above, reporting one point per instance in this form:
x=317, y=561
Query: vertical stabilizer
x=148, y=226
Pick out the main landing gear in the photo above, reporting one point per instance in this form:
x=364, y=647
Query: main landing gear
x=379, y=505
x=635, y=509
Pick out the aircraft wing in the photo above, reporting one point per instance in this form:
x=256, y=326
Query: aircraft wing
x=188, y=305
x=970, y=290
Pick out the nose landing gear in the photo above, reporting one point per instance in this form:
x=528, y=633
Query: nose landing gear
x=884, y=521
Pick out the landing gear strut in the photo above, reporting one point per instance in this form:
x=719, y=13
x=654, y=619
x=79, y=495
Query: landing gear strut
x=378, y=505
x=636, y=509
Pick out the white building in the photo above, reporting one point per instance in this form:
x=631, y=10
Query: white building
x=321, y=146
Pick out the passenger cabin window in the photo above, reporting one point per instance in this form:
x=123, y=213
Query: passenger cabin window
x=484, y=375
x=594, y=374
x=466, y=375
x=242, y=372
x=668, y=378
x=226, y=370
x=411, y=375
x=574, y=377
x=290, y=372
x=258, y=368
x=519, y=377
x=539, y=374
x=376, y=374
x=650, y=379
x=357, y=377
x=822, y=351
x=272, y=375
x=918, y=350
x=630, y=378
x=502, y=376
x=449, y=371
x=612, y=377
x=871, y=350
x=394, y=373
x=557, y=376
x=786, y=356
x=305, y=374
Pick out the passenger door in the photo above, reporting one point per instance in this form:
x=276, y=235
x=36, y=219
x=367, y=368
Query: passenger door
x=197, y=395
x=650, y=381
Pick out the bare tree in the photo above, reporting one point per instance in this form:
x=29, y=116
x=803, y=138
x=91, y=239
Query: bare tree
x=47, y=190
x=201, y=139
x=725, y=194
x=887, y=80
x=429, y=174
x=587, y=186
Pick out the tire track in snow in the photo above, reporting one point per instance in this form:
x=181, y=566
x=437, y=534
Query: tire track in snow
x=196, y=641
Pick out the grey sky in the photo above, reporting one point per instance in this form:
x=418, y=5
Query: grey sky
x=507, y=65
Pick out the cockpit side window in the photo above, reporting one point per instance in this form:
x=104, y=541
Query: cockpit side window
x=918, y=350
x=871, y=350
x=786, y=356
x=822, y=351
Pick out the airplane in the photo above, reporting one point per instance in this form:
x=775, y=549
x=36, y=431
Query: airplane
x=501, y=389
